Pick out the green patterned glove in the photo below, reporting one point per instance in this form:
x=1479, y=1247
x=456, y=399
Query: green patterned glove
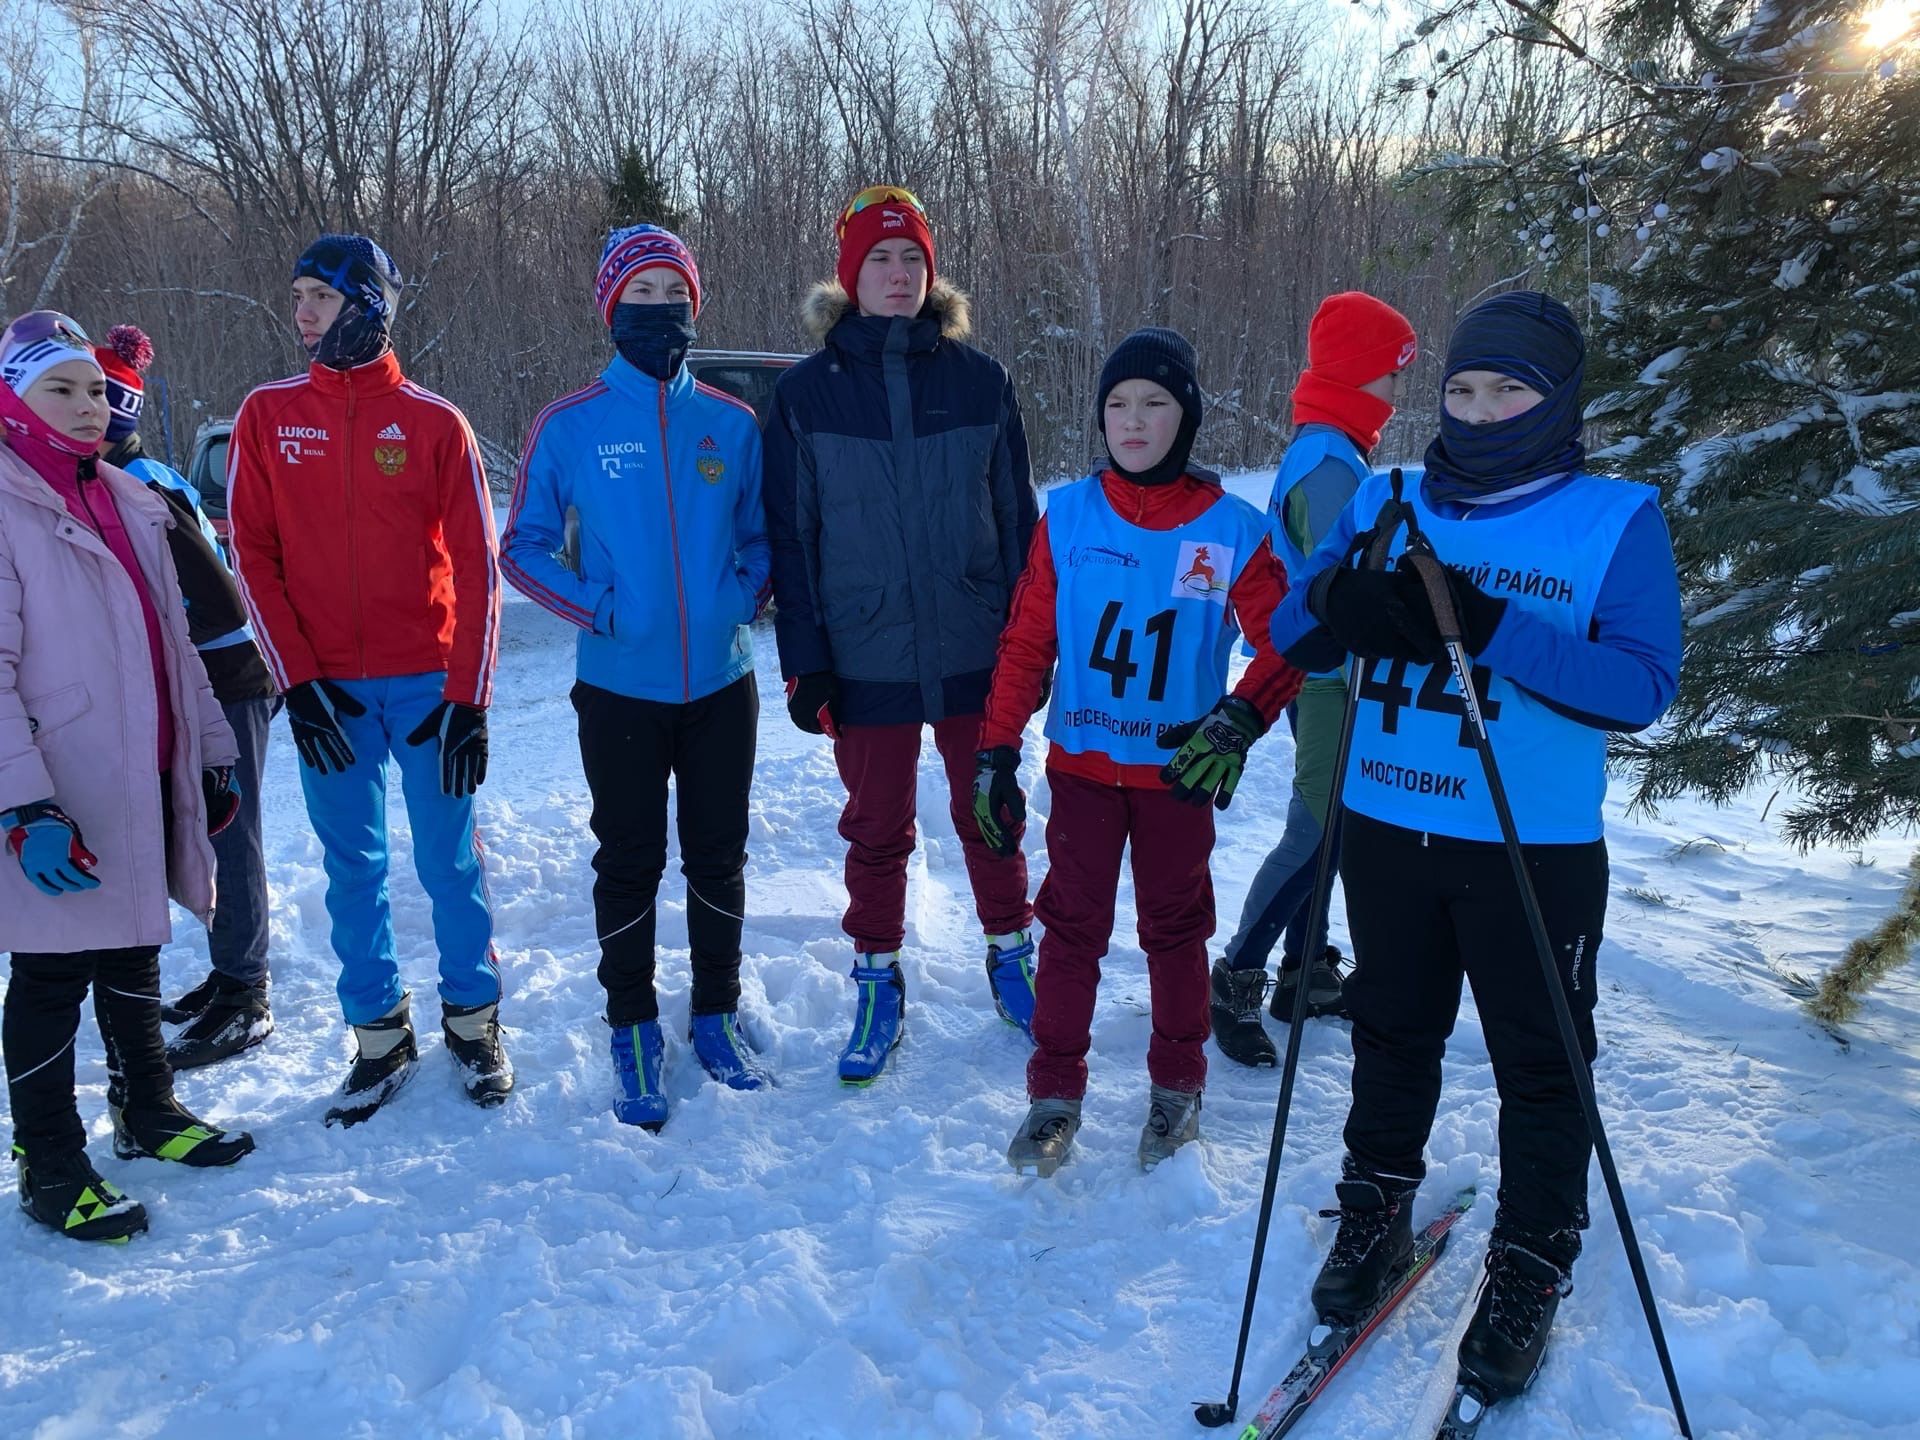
x=1212, y=752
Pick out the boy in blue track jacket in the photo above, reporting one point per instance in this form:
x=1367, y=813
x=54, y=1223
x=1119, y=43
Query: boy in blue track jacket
x=664, y=473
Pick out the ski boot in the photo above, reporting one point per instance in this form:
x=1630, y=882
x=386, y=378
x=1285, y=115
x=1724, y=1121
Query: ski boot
x=726, y=1052
x=223, y=1017
x=1173, y=1118
x=167, y=1130
x=1045, y=1138
x=1370, y=1248
x=1010, y=971
x=639, y=1055
x=1233, y=1003
x=1325, y=992
x=879, y=1018
x=473, y=1039
x=65, y=1193
x=1507, y=1338
x=383, y=1063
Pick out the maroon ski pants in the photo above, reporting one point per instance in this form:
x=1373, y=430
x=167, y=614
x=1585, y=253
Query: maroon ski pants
x=1091, y=825
x=880, y=766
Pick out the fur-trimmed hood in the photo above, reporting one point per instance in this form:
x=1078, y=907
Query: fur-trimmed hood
x=828, y=303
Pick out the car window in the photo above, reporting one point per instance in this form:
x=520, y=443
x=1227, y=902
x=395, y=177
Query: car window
x=743, y=380
x=209, y=475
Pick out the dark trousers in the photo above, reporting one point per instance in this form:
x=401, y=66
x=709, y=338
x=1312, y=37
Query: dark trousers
x=880, y=766
x=238, y=936
x=1424, y=911
x=42, y=1021
x=629, y=748
x=1087, y=833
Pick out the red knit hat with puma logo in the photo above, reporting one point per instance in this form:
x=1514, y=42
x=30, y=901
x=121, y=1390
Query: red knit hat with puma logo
x=879, y=212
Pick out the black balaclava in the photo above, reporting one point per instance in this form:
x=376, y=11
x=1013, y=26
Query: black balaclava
x=1164, y=357
x=366, y=275
x=654, y=339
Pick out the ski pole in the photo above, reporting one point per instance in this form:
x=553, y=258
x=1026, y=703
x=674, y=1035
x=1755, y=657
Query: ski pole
x=1420, y=557
x=1370, y=548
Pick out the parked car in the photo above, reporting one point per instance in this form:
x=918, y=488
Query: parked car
x=207, y=470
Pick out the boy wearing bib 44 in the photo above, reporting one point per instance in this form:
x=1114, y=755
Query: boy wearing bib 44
x=1565, y=586
x=1139, y=581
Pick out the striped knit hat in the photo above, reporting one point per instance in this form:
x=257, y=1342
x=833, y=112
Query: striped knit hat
x=635, y=248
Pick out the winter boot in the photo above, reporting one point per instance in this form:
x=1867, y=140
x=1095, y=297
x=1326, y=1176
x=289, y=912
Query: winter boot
x=879, y=1018
x=1502, y=1349
x=1173, y=1118
x=67, y=1194
x=167, y=1130
x=726, y=1052
x=1233, y=1002
x=383, y=1063
x=1045, y=1138
x=1010, y=970
x=223, y=1017
x=1373, y=1243
x=639, y=1054
x=1325, y=995
x=189, y=1005
x=473, y=1039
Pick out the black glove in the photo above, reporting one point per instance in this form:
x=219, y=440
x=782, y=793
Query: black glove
x=998, y=805
x=314, y=708
x=812, y=701
x=1365, y=610
x=223, y=797
x=1480, y=613
x=1046, y=691
x=462, y=733
x=1213, y=751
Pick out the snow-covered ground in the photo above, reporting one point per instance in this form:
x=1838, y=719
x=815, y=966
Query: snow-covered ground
x=822, y=1262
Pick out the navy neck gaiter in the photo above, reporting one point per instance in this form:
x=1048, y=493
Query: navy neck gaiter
x=1535, y=339
x=654, y=339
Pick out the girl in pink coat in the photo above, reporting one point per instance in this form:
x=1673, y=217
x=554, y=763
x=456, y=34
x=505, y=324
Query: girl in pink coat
x=108, y=730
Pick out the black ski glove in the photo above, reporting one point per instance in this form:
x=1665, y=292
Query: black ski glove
x=998, y=804
x=1365, y=610
x=812, y=701
x=462, y=733
x=223, y=797
x=1480, y=613
x=314, y=708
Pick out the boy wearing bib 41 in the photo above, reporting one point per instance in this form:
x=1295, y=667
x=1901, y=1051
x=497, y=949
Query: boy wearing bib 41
x=1139, y=582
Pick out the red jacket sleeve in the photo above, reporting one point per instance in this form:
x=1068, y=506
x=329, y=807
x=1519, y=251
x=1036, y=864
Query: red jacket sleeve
x=1270, y=682
x=466, y=527
x=254, y=538
x=1028, y=647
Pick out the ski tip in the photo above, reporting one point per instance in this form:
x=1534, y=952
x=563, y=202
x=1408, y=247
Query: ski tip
x=1214, y=1413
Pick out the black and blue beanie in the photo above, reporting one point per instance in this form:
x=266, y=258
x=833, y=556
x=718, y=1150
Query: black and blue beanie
x=1157, y=354
x=358, y=269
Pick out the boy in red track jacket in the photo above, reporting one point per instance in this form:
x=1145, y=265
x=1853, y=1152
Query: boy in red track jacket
x=1138, y=582
x=363, y=543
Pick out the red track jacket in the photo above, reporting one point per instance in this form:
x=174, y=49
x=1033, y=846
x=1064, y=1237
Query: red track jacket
x=363, y=531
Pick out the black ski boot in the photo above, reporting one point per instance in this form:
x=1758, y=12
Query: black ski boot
x=1373, y=1243
x=225, y=1018
x=65, y=1193
x=1233, y=1001
x=1502, y=1349
x=1325, y=995
x=385, y=1062
x=473, y=1039
x=167, y=1130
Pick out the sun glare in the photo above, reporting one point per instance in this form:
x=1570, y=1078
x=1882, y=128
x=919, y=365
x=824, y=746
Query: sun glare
x=1888, y=22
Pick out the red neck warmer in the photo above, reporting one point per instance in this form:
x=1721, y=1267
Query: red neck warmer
x=1318, y=400
x=54, y=457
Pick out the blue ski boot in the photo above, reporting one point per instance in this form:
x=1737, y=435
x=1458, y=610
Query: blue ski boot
x=726, y=1052
x=1010, y=968
x=639, y=1051
x=879, y=1018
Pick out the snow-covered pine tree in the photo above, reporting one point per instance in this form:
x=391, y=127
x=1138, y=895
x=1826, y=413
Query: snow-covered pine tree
x=1736, y=192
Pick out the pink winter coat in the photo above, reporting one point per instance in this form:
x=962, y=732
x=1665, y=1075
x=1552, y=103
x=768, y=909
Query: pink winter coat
x=78, y=717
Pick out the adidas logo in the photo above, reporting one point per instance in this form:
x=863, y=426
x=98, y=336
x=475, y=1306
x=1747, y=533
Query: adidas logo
x=392, y=432
x=707, y=443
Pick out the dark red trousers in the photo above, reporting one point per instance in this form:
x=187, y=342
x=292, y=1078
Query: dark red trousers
x=880, y=766
x=1091, y=825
